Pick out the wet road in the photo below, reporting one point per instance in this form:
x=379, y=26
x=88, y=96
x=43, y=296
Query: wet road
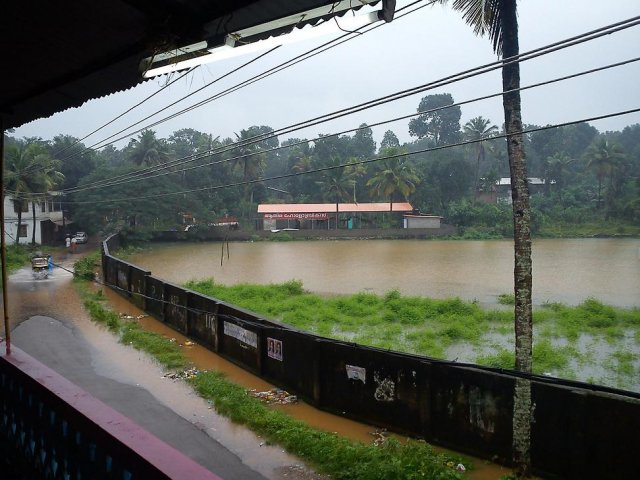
x=50, y=324
x=133, y=384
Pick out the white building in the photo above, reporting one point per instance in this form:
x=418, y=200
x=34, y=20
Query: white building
x=49, y=224
x=421, y=221
x=503, y=188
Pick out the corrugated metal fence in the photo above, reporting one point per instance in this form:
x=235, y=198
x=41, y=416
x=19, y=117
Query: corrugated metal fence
x=579, y=430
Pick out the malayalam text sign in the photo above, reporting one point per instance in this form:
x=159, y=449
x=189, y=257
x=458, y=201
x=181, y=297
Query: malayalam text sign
x=296, y=216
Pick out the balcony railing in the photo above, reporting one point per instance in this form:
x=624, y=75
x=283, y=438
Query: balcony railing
x=50, y=428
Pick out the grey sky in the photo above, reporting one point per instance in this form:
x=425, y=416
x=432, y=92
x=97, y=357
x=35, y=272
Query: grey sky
x=424, y=46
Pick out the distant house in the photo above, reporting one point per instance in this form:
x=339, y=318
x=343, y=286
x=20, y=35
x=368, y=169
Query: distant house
x=50, y=222
x=503, y=188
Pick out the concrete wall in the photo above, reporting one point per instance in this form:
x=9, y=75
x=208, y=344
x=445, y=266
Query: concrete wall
x=415, y=221
x=579, y=430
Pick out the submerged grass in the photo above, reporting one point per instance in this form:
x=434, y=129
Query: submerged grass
x=428, y=327
x=327, y=452
x=379, y=321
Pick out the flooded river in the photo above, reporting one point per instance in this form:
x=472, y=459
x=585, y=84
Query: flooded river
x=565, y=271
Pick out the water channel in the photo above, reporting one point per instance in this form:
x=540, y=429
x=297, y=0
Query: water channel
x=566, y=271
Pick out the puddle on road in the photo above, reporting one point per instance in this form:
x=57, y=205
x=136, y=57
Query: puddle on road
x=205, y=359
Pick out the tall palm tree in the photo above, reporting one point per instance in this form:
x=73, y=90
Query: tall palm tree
x=396, y=175
x=498, y=19
x=556, y=168
x=18, y=177
x=249, y=160
x=602, y=158
x=148, y=150
x=336, y=184
x=479, y=128
x=46, y=176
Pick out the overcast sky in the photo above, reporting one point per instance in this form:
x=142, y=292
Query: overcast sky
x=422, y=47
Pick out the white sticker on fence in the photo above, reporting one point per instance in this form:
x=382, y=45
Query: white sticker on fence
x=274, y=348
x=245, y=336
x=356, y=373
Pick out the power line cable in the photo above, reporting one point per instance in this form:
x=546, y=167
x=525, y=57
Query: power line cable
x=287, y=64
x=359, y=162
x=145, y=175
x=149, y=97
x=588, y=36
x=435, y=84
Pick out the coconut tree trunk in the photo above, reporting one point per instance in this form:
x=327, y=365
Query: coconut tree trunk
x=33, y=233
x=522, y=241
x=18, y=204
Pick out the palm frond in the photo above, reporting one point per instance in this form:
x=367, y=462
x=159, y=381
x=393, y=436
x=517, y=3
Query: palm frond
x=485, y=16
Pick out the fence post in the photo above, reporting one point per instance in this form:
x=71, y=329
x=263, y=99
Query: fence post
x=316, y=356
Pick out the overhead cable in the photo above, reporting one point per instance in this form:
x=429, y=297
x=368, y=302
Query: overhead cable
x=402, y=94
x=330, y=44
x=117, y=117
x=545, y=50
x=358, y=162
x=147, y=175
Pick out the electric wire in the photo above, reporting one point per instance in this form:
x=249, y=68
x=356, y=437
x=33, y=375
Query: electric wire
x=402, y=94
x=97, y=146
x=261, y=76
x=238, y=87
x=117, y=117
x=201, y=155
x=553, y=47
x=358, y=162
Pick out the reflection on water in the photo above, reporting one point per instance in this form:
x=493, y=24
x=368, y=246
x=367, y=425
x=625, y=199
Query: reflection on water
x=565, y=271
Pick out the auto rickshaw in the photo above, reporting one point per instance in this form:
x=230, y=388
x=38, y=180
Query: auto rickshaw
x=40, y=265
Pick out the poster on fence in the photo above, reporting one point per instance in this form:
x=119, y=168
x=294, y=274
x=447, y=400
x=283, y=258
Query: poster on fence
x=356, y=373
x=274, y=348
x=242, y=334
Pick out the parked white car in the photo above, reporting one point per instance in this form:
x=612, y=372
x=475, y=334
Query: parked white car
x=81, y=237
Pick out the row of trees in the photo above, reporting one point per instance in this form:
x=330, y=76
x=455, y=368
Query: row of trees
x=585, y=172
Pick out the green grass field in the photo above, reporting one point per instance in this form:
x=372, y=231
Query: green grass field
x=585, y=342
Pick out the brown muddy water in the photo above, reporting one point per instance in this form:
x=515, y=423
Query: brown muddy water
x=205, y=359
x=56, y=298
x=567, y=271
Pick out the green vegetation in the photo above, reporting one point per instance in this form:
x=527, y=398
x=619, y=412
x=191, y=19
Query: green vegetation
x=327, y=452
x=168, y=354
x=17, y=256
x=411, y=324
x=584, y=182
x=507, y=299
x=431, y=327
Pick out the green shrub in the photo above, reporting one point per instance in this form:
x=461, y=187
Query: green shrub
x=507, y=299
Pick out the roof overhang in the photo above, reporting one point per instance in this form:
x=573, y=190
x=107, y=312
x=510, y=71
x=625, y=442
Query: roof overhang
x=331, y=207
x=60, y=55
